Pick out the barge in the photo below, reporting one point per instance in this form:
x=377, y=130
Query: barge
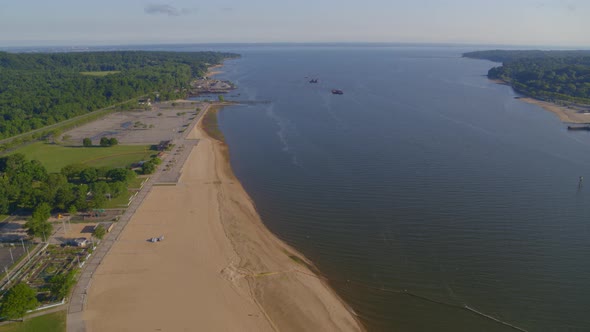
x=578, y=128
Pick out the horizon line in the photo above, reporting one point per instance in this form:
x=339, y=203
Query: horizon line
x=74, y=45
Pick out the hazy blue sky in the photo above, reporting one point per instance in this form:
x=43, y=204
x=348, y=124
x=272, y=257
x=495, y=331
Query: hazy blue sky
x=520, y=22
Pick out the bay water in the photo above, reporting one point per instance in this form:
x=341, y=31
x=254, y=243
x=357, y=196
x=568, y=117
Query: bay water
x=430, y=197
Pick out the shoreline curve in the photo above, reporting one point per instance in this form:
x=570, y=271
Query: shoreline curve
x=220, y=268
x=566, y=114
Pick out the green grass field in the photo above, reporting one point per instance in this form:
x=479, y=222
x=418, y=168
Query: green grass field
x=2, y=217
x=99, y=73
x=55, y=322
x=54, y=157
x=119, y=202
x=136, y=183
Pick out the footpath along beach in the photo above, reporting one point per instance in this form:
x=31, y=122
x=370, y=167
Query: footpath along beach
x=218, y=269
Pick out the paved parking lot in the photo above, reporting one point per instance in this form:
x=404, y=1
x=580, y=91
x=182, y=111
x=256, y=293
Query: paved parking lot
x=162, y=123
x=6, y=260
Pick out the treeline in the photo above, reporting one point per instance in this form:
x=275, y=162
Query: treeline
x=56, y=130
x=549, y=75
x=508, y=56
x=26, y=184
x=37, y=90
x=110, y=61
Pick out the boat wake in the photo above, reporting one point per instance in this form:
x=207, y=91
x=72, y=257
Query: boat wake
x=282, y=133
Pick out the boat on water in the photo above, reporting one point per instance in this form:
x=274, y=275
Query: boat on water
x=337, y=92
x=578, y=128
x=315, y=80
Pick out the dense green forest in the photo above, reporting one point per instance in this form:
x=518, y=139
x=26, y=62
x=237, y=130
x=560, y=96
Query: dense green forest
x=26, y=184
x=42, y=89
x=548, y=75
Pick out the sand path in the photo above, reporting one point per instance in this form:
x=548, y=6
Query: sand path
x=218, y=269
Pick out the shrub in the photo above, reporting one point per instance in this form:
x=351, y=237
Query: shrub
x=17, y=301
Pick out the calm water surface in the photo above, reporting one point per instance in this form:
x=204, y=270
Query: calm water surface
x=425, y=193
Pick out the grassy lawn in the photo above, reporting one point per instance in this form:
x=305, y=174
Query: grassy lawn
x=2, y=217
x=99, y=73
x=135, y=183
x=54, y=157
x=119, y=202
x=55, y=322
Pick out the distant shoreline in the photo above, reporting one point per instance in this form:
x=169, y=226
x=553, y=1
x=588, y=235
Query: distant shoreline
x=214, y=70
x=554, y=95
x=565, y=113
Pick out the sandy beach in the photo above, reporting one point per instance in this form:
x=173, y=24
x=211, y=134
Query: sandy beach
x=564, y=113
x=218, y=269
x=214, y=70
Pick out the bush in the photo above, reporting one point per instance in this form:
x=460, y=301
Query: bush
x=17, y=301
x=99, y=232
x=106, y=142
x=72, y=210
x=62, y=284
x=87, y=142
x=148, y=167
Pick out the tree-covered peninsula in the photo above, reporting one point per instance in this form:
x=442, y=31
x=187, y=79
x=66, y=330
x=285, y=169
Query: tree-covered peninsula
x=547, y=75
x=37, y=90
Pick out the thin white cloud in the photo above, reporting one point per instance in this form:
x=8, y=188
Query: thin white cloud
x=569, y=5
x=164, y=9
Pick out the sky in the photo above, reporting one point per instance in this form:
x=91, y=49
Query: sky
x=116, y=22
